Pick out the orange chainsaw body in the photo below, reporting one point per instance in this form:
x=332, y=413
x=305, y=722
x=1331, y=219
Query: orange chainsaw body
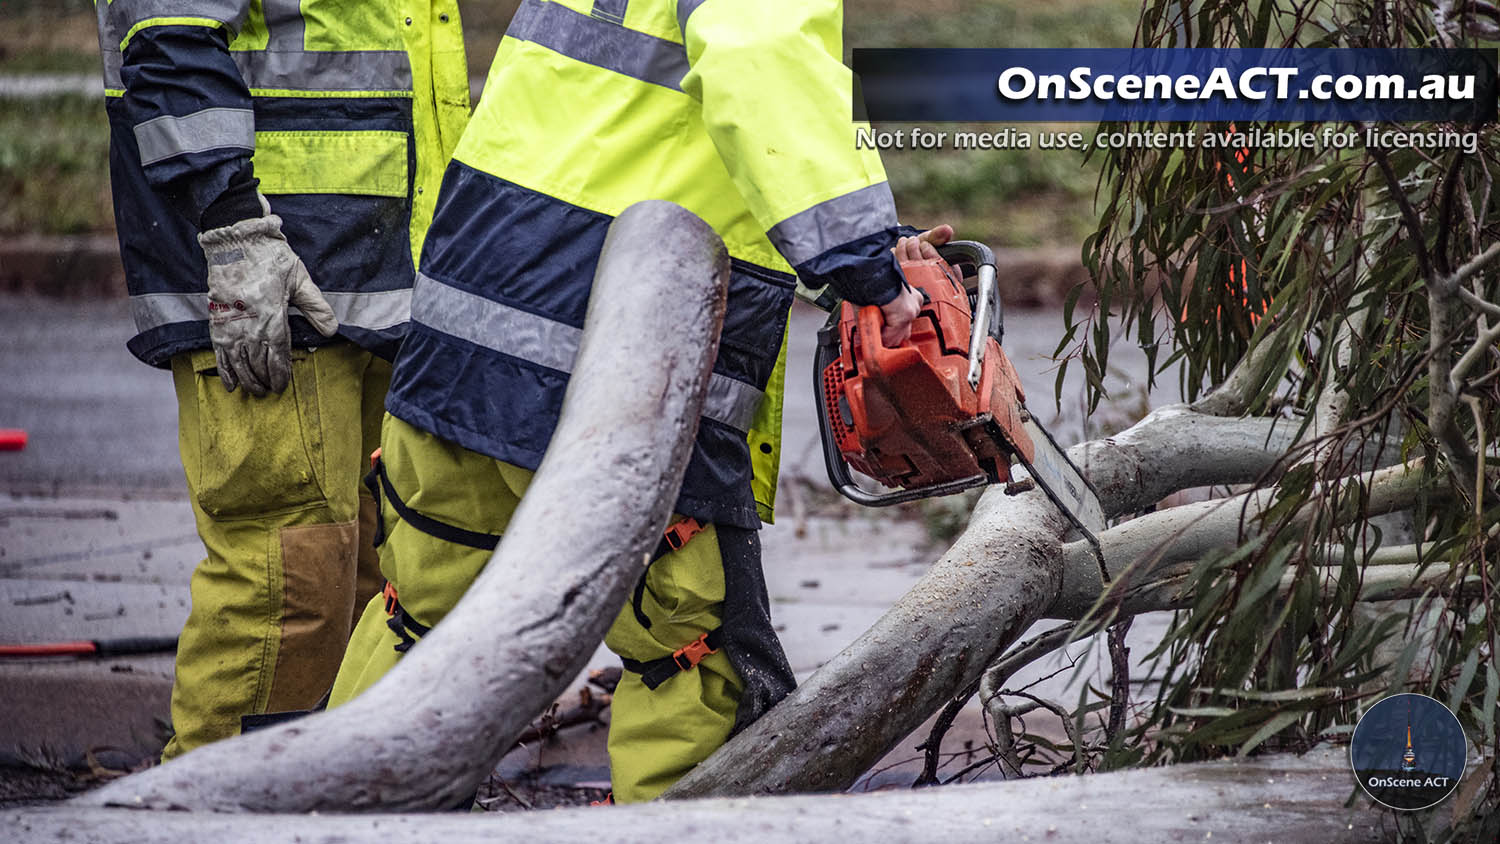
x=907, y=416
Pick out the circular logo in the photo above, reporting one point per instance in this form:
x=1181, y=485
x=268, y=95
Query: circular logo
x=239, y=304
x=1408, y=752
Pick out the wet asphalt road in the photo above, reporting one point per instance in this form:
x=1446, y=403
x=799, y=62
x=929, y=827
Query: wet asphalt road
x=97, y=419
x=101, y=421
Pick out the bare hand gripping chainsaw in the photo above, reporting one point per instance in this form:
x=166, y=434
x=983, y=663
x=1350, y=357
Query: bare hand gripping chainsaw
x=945, y=411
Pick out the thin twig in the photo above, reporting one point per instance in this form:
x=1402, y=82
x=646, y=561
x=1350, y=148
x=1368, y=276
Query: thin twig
x=971, y=768
x=1483, y=345
x=1445, y=211
x=1408, y=214
x=1119, y=679
x=933, y=746
x=1067, y=725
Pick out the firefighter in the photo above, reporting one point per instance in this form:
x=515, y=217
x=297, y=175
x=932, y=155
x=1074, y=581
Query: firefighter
x=275, y=165
x=738, y=110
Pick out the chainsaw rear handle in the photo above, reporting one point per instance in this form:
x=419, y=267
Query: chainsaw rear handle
x=986, y=305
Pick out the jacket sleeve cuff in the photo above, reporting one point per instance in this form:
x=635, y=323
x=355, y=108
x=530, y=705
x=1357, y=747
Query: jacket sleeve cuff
x=239, y=201
x=863, y=271
x=191, y=193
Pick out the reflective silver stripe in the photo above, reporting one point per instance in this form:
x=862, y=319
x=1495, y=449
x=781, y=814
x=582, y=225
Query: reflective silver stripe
x=351, y=70
x=125, y=14
x=731, y=401
x=112, y=63
x=357, y=70
x=685, y=9
x=375, y=311
x=834, y=222
x=370, y=311
x=492, y=325
x=212, y=128
x=153, y=310
x=610, y=10
x=547, y=342
x=287, y=31
x=600, y=43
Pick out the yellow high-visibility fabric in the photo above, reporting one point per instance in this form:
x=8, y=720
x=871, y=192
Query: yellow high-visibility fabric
x=714, y=144
x=428, y=31
x=746, y=58
x=656, y=736
x=276, y=494
x=440, y=102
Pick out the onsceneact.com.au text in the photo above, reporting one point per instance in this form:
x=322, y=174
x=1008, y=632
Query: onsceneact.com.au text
x=1256, y=83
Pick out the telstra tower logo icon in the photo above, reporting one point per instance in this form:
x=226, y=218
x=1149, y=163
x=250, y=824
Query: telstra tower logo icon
x=1408, y=752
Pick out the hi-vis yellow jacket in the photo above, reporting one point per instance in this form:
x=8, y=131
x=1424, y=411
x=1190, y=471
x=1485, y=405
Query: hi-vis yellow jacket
x=349, y=111
x=738, y=110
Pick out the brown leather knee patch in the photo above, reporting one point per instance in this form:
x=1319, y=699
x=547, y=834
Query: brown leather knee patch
x=318, y=583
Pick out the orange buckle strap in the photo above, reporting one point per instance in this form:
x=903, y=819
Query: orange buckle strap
x=681, y=533
x=688, y=656
x=391, y=604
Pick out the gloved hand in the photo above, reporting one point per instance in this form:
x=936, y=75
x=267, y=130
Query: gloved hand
x=252, y=275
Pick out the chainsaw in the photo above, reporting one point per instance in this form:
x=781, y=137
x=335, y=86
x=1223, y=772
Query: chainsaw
x=944, y=411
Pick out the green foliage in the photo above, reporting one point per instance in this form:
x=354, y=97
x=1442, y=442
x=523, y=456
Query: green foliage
x=54, y=166
x=1006, y=197
x=1295, y=253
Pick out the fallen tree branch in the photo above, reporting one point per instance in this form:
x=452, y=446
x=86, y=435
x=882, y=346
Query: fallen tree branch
x=1388, y=583
x=1233, y=397
x=428, y=733
x=587, y=711
x=997, y=578
x=1472, y=299
x=1274, y=797
x=1149, y=547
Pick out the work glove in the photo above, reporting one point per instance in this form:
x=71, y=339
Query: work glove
x=252, y=275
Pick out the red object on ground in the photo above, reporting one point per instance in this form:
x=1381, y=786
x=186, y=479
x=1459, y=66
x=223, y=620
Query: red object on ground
x=12, y=439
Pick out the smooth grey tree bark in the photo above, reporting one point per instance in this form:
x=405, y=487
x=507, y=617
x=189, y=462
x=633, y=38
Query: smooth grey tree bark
x=1003, y=573
x=1268, y=798
x=432, y=729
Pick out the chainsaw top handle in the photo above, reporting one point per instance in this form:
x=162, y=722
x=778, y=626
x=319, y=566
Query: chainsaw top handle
x=986, y=299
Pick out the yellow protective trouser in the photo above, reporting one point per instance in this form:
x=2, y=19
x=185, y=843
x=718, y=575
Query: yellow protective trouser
x=655, y=736
x=276, y=491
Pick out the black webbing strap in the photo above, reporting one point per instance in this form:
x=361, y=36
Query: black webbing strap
x=677, y=536
x=639, y=596
x=657, y=671
x=378, y=482
x=408, y=629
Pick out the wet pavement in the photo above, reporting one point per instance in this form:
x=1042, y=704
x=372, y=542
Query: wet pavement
x=97, y=541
